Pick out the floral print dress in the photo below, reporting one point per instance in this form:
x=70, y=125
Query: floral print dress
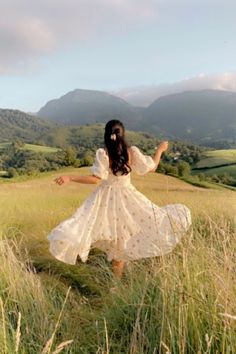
x=118, y=219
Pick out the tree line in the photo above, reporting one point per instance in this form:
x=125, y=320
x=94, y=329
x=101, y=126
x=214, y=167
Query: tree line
x=16, y=160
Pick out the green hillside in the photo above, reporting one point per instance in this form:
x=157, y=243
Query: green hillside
x=217, y=165
x=205, y=116
x=218, y=171
x=65, y=146
x=42, y=137
x=217, y=158
x=32, y=147
x=33, y=130
x=16, y=124
x=91, y=136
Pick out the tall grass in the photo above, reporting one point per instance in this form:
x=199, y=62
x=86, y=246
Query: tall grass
x=28, y=307
x=183, y=302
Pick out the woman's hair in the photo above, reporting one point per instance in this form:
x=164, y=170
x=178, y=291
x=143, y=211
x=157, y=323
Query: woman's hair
x=114, y=138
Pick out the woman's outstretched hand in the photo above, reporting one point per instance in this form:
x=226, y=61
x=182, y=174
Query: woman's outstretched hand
x=163, y=146
x=62, y=179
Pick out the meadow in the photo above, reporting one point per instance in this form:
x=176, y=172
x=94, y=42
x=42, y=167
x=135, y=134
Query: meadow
x=211, y=159
x=33, y=147
x=230, y=170
x=183, y=302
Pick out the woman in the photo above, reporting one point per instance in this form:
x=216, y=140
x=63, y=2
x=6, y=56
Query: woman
x=116, y=217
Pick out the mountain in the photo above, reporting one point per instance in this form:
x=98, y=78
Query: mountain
x=16, y=124
x=207, y=115
x=89, y=106
x=202, y=116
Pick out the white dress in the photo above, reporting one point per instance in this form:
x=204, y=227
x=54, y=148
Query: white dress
x=118, y=219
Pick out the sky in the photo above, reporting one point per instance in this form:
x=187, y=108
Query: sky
x=50, y=47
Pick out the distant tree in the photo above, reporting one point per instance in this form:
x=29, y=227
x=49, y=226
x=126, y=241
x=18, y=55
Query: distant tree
x=196, y=156
x=215, y=178
x=167, y=168
x=88, y=159
x=12, y=172
x=173, y=170
x=70, y=155
x=202, y=177
x=78, y=163
x=183, y=169
x=227, y=179
x=32, y=172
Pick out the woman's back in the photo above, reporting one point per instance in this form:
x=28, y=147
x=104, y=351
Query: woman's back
x=116, y=217
x=139, y=163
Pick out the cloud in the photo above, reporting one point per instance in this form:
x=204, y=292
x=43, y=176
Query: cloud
x=144, y=95
x=30, y=29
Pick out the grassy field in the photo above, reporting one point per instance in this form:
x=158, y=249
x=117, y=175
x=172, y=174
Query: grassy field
x=32, y=147
x=230, y=170
x=182, y=303
x=217, y=158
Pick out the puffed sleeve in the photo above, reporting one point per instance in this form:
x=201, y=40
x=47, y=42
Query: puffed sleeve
x=100, y=167
x=141, y=163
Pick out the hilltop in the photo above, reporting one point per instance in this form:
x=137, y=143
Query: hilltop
x=80, y=107
x=17, y=124
x=205, y=116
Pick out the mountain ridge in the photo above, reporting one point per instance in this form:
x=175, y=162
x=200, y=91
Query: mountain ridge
x=203, y=116
x=87, y=107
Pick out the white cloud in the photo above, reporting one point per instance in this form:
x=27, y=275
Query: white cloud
x=144, y=95
x=31, y=29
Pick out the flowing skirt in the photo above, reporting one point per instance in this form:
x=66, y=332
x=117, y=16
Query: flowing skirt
x=122, y=222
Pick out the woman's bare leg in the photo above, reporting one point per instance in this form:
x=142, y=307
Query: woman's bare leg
x=117, y=268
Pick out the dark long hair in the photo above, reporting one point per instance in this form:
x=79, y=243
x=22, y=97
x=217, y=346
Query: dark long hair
x=114, y=138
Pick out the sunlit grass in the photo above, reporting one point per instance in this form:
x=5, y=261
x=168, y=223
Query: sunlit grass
x=182, y=303
x=33, y=147
x=217, y=157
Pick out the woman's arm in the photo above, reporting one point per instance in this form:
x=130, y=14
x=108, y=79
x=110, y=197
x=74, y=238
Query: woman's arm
x=159, y=151
x=91, y=179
